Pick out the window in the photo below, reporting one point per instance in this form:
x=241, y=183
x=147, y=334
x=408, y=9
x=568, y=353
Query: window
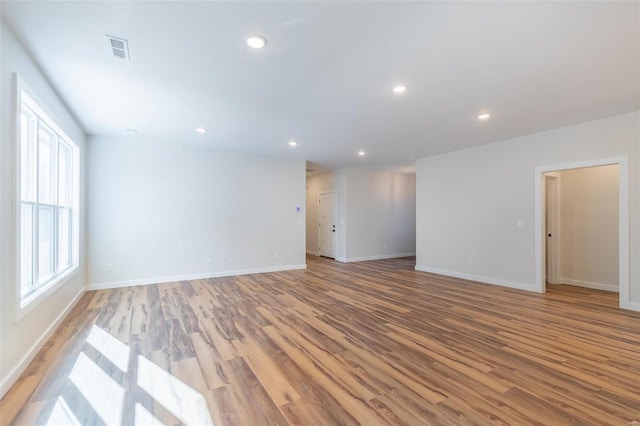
x=48, y=212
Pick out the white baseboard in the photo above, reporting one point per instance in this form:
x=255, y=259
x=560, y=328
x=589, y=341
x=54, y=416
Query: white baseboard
x=313, y=253
x=376, y=257
x=159, y=280
x=588, y=284
x=13, y=376
x=632, y=306
x=471, y=277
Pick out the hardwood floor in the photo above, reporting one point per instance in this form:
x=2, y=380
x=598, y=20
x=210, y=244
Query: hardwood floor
x=368, y=343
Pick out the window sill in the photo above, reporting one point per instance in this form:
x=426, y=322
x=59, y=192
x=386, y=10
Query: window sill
x=35, y=299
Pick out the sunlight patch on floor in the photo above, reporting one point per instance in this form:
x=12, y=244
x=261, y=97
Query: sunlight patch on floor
x=116, y=351
x=177, y=397
x=101, y=391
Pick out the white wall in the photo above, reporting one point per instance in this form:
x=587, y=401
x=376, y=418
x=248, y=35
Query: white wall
x=343, y=192
x=380, y=214
x=376, y=213
x=469, y=201
x=20, y=340
x=158, y=211
x=588, y=220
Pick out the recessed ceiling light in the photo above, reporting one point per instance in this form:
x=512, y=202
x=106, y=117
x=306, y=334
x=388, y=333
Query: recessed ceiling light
x=255, y=42
x=400, y=88
x=293, y=143
x=485, y=116
x=361, y=153
x=201, y=130
x=132, y=132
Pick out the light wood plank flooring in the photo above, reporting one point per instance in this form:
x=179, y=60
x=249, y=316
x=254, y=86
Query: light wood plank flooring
x=363, y=343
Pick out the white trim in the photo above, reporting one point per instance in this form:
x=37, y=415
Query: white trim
x=14, y=375
x=42, y=294
x=335, y=218
x=588, y=284
x=40, y=109
x=632, y=306
x=377, y=257
x=174, y=278
x=478, y=278
x=553, y=213
x=623, y=222
x=623, y=225
x=341, y=259
x=313, y=253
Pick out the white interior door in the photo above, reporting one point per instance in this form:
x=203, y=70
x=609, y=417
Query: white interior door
x=551, y=223
x=327, y=211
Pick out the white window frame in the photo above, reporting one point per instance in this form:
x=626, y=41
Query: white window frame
x=36, y=105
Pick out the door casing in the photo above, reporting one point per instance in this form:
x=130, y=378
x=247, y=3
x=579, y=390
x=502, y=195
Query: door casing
x=327, y=240
x=623, y=223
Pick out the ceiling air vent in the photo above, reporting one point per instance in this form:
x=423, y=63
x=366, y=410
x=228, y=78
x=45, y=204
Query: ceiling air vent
x=119, y=47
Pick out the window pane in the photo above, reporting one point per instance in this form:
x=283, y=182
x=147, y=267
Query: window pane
x=48, y=168
x=46, y=182
x=45, y=243
x=64, y=180
x=26, y=247
x=64, y=236
x=27, y=155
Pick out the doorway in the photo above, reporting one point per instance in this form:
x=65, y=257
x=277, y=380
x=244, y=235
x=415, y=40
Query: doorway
x=327, y=212
x=544, y=196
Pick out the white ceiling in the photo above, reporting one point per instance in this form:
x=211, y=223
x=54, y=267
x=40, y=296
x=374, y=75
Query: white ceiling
x=325, y=75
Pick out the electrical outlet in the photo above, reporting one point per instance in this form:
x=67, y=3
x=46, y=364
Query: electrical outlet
x=108, y=267
x=470, y=261
x=209, y=259
x=224, y=259
x=275, y=255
